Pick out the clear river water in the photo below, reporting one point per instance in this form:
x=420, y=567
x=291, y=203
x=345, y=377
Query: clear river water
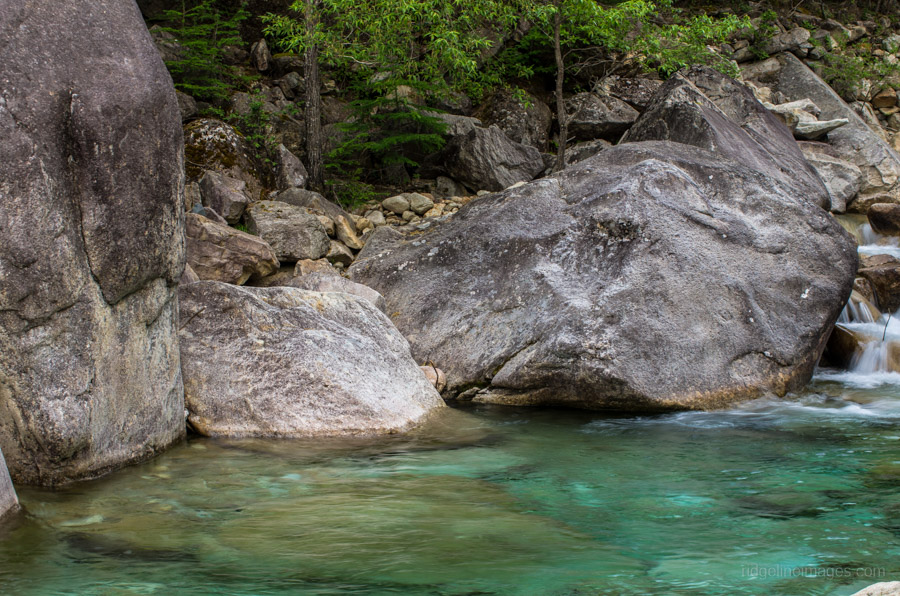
x=792, y=496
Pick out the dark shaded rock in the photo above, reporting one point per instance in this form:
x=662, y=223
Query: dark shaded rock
x=592, y=116
x=702, y=107
x=582, y=289
x=581, y=151
x=485, y=158
x=527, y=123
x=220, y=253
x=186, y=106
x=339, y=254
x=636, y=92
x=296, y=363
x=292, y=233
x=885, y=278
x=91, y=208
x=885, y=218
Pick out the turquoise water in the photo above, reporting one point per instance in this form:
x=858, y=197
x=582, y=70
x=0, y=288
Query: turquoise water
x=795, y=496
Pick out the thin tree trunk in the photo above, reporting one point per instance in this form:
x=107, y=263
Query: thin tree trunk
x=313, y=112
x=560, y=104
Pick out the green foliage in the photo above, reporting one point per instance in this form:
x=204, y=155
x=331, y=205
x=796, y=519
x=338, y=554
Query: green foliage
x=388, y=129
x=765, y=29
x=255, y=126
x=672, y=47
x=203, y=30
x=845, y=71
x=350, y=193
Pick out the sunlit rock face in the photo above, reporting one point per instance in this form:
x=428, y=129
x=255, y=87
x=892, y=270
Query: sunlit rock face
x=91, y=175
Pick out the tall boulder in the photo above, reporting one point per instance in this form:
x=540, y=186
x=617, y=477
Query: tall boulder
x=854, y=142
x=652, y=276
x=92, y=248
x=296, y=363
x=704, y=108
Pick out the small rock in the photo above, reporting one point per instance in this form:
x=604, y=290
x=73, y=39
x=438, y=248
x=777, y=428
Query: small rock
x=210, y=214
x=338, y=254
x=375, y=217
x=189, y=276
x=307, y=266
x=886, y=98
x=221, y=253
x=346, y=233
x=192, y=196
x=436, y=376
x=331, y=281
x=328, y=223
x=591, y=117
x=227, y=196
x=435, y=211
x=187, y=105
x=396, y=204
x=419, y=204
x=408, y=216
x=260, y=56
x=363, y=224
x=289, y=170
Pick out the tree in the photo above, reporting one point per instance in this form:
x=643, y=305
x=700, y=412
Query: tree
x=630, y=34
x=385, y=44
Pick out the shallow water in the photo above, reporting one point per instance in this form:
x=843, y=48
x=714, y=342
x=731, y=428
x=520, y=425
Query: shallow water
x=796, y=496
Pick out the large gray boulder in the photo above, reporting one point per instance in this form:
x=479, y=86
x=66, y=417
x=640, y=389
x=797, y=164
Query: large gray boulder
x=295, y=363
x=485, y=158
x=854, y=142
x=292, y=232
x=221, y=253
x=702, y=107
x=8, y=500
x=652, y=276
x=92, y=246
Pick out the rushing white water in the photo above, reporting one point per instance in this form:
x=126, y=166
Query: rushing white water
x=873, y=243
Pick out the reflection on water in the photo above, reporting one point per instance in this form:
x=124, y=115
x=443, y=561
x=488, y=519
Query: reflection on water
x=771, y=498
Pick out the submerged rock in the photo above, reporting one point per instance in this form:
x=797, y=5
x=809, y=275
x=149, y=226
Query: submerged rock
x=296, y=363
x=8, y=499
x=92, y=214
x=652, y=276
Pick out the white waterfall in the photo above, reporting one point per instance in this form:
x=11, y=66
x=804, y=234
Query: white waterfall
x=873, y=243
